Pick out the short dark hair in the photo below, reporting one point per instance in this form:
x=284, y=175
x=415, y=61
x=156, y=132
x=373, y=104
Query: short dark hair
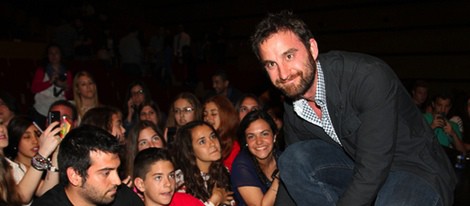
x=282, y=21
x=76, y=146
x=146, y=158
x=222, y=74
x=65, y=103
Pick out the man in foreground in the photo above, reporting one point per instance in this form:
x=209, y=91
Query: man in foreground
x=355, y=136
x=88, y=161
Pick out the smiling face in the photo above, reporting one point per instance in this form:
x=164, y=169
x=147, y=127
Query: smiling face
x=260, y=139
x=149, y=138
x=206, y=146
x=102, y=180
x=29, y=144
x=211, y=114
x=159, y=183
x=290, y=66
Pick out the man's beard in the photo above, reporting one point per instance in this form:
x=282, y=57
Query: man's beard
x=306, y=81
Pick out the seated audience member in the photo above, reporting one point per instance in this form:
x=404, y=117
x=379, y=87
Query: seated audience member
x=151, y=111
x=8, y=108
x=185, y=108
x=51, y=82
x=255, y=178
x=88, y=161
x=154, y=177
x=221, y=85
x=197, y=153
x=107, y=118
x=66, y=109
x=28, y=151
x=85, y=93
x=419, y=93
x=220, y=113
x=447, y=132
x=246, y=104
x=8, y=194
x=110, y=119
x=143, y=135
x=137, y=94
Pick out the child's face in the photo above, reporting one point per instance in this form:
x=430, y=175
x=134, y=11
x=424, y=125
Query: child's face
x=159, y=184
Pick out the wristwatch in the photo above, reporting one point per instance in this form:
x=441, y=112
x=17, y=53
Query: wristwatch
x=40, y=163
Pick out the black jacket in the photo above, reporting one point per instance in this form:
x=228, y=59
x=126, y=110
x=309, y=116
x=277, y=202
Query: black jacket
x=378, y=126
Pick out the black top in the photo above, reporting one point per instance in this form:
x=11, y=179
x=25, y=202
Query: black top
x=56, y=196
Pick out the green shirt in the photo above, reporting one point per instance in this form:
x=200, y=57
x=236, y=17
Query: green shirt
x=443, y=138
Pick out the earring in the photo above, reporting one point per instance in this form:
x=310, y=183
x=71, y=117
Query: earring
x=246, y=145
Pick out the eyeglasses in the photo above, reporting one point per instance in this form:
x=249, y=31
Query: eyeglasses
x=185, y=110
x=137, y=92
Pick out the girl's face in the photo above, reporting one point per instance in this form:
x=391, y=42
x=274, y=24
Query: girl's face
x=147, y=113
x=29, y=143
x=137, y=95
x=211, y=114
x=183, y=111
x=5, y=113
x=86, y=87
x=260, y=139
x=148, y=138
x=206, y=146
x=3, y=137
x=117, y=129
x=248, y=104
x=53, y=55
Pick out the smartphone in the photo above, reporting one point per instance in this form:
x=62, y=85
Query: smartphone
x=54, y=116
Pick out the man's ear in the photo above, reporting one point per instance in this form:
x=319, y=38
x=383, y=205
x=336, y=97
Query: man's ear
x=314, y=48
x=139, y=183
x=226, y=82
x=75, y=179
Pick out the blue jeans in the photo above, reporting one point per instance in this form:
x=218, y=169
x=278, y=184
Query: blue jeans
x=317, y=173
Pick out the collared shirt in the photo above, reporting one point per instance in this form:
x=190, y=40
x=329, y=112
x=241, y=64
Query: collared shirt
x=306, y=112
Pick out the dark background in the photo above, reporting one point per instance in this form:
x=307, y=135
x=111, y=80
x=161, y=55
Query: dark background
x=427, y=40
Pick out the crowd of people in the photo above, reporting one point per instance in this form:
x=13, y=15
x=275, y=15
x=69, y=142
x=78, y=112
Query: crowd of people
x=351, y=134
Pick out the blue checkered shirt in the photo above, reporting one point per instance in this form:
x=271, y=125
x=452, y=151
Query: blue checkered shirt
x=304, y=110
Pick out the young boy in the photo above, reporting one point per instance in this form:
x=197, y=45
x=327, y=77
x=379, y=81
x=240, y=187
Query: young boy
x=154, y=176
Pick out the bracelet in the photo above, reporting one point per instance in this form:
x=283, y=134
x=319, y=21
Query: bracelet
x=275, y=174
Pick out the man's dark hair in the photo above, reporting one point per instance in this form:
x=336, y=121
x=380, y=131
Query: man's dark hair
x=444, y=96
x=147, y=158
x=66, y=103
x=77, y=145
x=222, y=74
x=282, y=21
